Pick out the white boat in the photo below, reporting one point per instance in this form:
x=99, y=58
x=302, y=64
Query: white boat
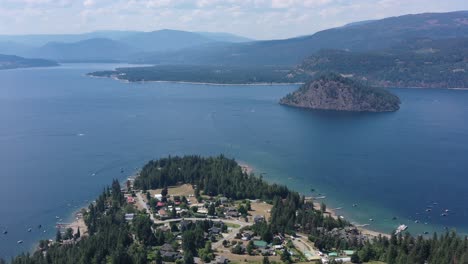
x=400, y=229
x=20, y=242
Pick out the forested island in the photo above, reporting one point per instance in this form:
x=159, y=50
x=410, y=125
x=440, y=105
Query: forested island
x=144, y=221
x=204, y=74
x=14, y=62
x=334, y=92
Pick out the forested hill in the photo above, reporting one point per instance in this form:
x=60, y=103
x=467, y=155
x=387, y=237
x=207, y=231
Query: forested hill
x=426, y=63
x=362, y=37
x=13, y=62
x=213, y=175
x=334, y=92
x=423, y=63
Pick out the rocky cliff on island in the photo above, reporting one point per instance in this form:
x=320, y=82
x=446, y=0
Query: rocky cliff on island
x=334, y=92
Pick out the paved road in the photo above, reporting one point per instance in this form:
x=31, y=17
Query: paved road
x=303, y=244
x=144, y=205
x=231, y=235
x=216, y=245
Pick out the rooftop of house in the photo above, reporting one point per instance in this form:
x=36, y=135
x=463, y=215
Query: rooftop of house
x=167, y=247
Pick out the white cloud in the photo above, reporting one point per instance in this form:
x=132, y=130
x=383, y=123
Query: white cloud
x=262, y=19
x=89, y=3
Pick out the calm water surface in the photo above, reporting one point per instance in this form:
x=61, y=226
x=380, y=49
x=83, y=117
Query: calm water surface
x=59, y=127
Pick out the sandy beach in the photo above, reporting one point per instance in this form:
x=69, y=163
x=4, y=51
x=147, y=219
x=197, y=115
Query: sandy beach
x=333, y=213
x=330, y=211
x=78, y=222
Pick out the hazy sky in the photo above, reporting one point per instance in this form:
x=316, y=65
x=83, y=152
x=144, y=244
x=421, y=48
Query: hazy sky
x=260, y=19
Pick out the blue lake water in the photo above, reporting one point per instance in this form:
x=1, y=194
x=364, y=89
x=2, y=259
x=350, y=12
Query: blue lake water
x=59, y=127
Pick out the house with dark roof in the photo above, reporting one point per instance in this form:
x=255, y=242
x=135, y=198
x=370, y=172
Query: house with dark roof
x=259, y=219
x=215, y=230
x=166, y=247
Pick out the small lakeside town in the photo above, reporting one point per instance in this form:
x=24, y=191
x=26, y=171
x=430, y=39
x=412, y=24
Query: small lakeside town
x=230, y=236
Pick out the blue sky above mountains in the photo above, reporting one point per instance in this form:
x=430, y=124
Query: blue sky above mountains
x=260, y=19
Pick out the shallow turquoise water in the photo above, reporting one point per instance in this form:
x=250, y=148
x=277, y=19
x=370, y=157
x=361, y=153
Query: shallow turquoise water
x=59, y=127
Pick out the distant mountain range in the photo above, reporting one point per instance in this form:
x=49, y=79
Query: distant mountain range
x=96, y=49
x=421, y=50
x=13, y=62
x=108, y=45
x=360, y=37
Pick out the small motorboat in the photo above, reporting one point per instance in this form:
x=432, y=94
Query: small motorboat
x=19, y=242
x=29, y=229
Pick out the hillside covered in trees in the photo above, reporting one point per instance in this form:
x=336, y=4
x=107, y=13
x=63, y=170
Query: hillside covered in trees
x=204, y=74
x=335, y=92
x=13, y=62
x=421, y=63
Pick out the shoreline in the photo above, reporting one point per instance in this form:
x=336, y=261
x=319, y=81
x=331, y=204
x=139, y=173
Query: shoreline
x=263, y=83
x=199, y=83
x=246, y=167
x=78, y=221
x=362, y=228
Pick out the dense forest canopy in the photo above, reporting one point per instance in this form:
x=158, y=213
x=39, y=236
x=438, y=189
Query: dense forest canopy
x=412, y=63
x=204, y=74
x=213, y=175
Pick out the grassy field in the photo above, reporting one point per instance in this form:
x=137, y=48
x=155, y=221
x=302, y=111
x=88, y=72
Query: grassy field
x=261, y=208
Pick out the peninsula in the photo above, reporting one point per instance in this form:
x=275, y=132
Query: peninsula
x=196, y=209
x=211, y=74
x=335, y=92
x=14, y=62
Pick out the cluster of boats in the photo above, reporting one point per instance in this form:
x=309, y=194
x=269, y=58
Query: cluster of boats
x=5, y=232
